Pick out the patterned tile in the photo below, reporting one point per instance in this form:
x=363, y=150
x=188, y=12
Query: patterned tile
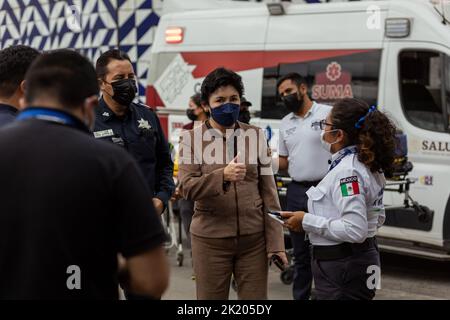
x=48, y=25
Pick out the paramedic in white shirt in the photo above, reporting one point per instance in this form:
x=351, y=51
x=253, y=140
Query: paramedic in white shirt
x=346, y=209
x=302, y=155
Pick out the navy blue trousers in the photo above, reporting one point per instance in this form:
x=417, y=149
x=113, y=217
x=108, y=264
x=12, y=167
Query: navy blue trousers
x=297, y=200
x=346, y=278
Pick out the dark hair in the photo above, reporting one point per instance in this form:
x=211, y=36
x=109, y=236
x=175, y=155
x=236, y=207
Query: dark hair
x=14, y=63
x=101, y=66
x=220, y=77
x=197, y=99
x=294, y=77
x=374, y=136
x=64, y=75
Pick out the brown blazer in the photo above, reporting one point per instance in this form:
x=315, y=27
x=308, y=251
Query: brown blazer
x=229, y=209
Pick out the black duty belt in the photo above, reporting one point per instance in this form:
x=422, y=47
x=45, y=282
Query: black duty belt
x=342, y=250
x=306, y=184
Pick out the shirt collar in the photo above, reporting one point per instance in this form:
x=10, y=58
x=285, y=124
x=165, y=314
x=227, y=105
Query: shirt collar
x=310, y=112
x=336, y=155
x=52, y=115
x=105, y=112
x=6, y=108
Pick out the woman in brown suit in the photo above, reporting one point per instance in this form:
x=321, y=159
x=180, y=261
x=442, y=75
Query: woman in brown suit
x=226, y=168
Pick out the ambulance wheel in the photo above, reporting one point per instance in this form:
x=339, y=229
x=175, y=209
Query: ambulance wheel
x=287, y=276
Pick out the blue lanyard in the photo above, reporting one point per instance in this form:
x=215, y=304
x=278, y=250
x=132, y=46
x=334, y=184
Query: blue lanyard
x=347, y=151
x=47, y=115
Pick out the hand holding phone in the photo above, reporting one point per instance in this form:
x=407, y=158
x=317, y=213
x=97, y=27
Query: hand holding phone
x=277, y=261
x=276, y=216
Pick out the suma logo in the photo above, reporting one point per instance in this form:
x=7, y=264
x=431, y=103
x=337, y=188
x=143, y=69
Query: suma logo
x=334, y=71
x=333, y=83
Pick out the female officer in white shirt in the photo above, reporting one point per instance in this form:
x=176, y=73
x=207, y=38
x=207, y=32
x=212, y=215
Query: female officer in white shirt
x=346, y=208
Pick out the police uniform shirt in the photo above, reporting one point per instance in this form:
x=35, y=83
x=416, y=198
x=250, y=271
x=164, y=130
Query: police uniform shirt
x=308, y=161
x=347, y=205
x=7, y=114
x=140, y=133
x=68, y=200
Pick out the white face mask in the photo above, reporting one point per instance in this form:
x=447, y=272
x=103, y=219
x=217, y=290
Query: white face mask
x=326, y=145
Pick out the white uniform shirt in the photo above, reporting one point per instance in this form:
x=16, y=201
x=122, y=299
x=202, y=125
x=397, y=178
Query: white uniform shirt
x=347, y=205
x=308, y=161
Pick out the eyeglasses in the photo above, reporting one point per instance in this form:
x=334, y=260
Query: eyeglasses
x=320, y=125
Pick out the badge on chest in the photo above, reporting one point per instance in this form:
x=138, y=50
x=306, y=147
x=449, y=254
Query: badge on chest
x=143, y=124
x=290, y=131
x=103, y=134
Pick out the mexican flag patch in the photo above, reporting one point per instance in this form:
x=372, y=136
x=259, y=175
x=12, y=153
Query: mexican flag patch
x=349, y=186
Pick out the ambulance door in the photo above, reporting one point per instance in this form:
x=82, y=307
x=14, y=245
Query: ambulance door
x=417, y=97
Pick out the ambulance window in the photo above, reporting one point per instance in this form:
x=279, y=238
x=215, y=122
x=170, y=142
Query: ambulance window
x=421, y=88
x=272, y=108
x=447, y=89
x=353, y=75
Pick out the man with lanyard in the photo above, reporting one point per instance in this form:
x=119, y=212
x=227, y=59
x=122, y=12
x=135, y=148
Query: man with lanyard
x=71, y=204
x=14, y=63
x=132, y=125
x=307, y=163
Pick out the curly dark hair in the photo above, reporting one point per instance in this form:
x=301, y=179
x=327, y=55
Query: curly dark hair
x=220, y=77
x=374, y=136
x=14, y=63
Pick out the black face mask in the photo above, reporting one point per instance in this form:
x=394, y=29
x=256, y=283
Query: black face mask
x=124, y=91
x=244, y=116
x=191, y=115
x=292, y=102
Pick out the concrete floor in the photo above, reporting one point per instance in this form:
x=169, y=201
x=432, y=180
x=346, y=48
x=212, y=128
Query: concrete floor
x=402, y=278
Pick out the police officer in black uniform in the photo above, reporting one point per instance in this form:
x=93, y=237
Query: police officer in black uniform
x=131, y=125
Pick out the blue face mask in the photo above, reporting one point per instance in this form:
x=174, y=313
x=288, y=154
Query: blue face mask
x=226, y=115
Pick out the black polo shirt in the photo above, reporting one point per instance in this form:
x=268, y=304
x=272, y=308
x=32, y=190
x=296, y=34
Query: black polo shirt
x=68, y=200
x=140, y=133
x=7, y=114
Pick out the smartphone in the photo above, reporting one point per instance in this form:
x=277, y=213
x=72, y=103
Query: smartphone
x=277, y=261
x=276, y=213
x=276, y=216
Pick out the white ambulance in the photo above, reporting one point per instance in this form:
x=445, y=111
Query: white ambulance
x=395, y=54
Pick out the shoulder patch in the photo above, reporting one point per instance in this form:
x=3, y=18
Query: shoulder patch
x=349, y=186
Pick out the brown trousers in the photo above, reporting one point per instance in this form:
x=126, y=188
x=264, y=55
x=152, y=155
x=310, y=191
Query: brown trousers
x=215, y=260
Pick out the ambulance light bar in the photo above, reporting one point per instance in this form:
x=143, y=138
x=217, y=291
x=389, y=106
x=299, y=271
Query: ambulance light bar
x=275, y=9
x=397, y=27
x=174, y=35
